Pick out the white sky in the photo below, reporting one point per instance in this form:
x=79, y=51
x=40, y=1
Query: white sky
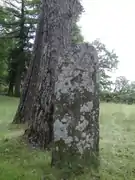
x=113, y=22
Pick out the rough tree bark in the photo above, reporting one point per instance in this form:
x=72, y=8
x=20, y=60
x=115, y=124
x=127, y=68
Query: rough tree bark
x=59, y=16
x=76, y=126
x=28, y=92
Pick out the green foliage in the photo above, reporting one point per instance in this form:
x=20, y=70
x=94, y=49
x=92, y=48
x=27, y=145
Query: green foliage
x=76, y=34
x=108, y=61
x=117, y=97
x=18, y=22
x=122, y=85
x=124, y=92
x=4, y=49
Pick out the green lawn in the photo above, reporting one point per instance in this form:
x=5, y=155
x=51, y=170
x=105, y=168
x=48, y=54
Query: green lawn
x=117, y=147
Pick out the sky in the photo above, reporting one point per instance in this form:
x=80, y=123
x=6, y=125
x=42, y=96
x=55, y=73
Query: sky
x=113, y=22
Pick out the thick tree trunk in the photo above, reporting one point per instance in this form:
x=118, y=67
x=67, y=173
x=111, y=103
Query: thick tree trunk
x=58, y=22
x=76, y=126
x=28, y=90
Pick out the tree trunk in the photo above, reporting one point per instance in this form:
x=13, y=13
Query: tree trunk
x=11, y=89
x=18, y=82
x=28, y=91
x=12, y=74
x=58, y=22
x=19, y=72
x=76, y=126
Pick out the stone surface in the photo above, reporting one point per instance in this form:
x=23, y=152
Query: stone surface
x=77, y=101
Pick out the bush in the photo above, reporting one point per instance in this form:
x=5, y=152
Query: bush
x=117, y=97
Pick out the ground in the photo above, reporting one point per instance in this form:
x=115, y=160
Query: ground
x=19, y=161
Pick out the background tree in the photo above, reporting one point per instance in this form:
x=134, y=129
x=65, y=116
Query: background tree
x=108, y=61
x=122, y=85
x=76, y=34
x=18, y=23
x=123, y=92
x=3, y=63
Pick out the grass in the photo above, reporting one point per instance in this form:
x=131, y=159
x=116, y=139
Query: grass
x=117, y=147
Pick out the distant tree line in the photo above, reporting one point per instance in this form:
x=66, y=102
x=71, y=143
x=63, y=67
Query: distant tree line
x=123, y=92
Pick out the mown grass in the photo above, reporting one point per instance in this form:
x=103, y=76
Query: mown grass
x=18, y=161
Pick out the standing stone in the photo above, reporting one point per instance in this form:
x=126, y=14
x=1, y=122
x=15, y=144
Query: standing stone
x=76, y=126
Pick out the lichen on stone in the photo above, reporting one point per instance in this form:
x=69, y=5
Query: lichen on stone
x=86, y=107
x=76, y=113
x=82, y=124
